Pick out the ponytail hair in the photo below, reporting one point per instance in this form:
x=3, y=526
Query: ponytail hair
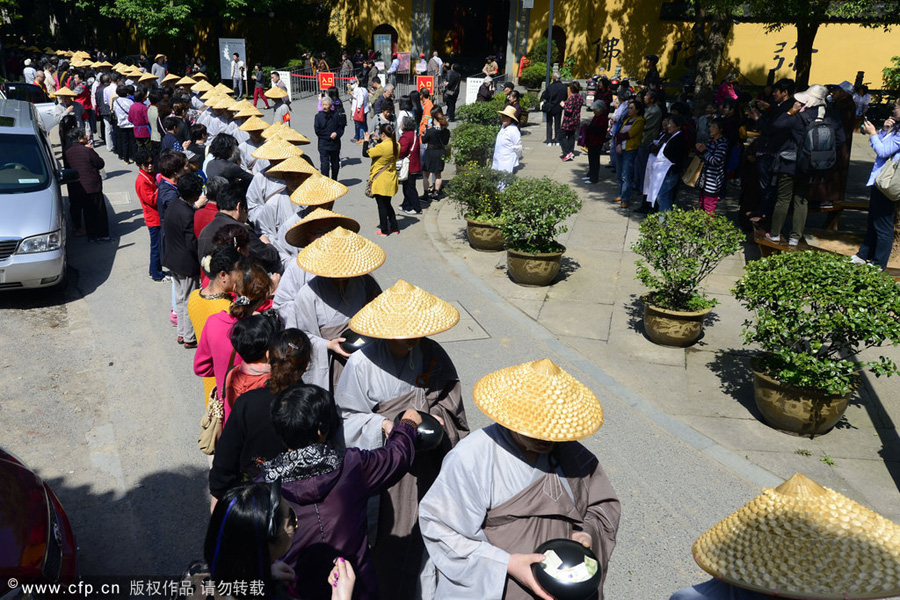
x=252, y=291
x=388, y=130
x=289, y=354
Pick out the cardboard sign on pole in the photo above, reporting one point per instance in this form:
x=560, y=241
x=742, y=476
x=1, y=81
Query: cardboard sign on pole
x=326, y=80
x=425, y=81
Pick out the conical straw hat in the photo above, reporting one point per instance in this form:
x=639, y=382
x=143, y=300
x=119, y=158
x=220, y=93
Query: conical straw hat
x=233, y=106
x=341, y=253
x=224, y=102
x=245, y=104
x=199, y=75
x=185, y=81
x=298, y=235
x=539, y=400
x=289, y=135
x=318, y=190
x=293, y=164
x=223, y=88
x=248, y=112
x=103, y=64
x=253, y=124
x=170, y=77
x=210, y=94
x=276, y=127
x=147, y=77
x=802, y=540
x=402, y=312
x=275, y=92
x=64, y=91
x=276, y=150
x=134, y=72
x=201, y=86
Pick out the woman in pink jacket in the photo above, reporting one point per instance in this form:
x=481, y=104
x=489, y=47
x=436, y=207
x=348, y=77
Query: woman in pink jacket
x=215, y=354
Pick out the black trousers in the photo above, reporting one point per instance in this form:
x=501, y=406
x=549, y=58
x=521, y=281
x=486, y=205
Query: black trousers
x=387, y=218
x=594, y=162
x=411, y=194
x=567, y=141
x=451, y=105
x=329, y=161
x=125, y=144
x=553, y=121
x=96, y=220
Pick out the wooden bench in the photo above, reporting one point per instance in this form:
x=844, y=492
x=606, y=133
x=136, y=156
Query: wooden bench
x=835, y=212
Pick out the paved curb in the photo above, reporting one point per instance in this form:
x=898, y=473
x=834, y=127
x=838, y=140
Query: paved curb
x=740, y=465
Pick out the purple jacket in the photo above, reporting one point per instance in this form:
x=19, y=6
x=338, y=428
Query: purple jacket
x=332, y=514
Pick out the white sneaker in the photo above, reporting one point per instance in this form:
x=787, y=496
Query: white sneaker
x=856, y=260
x=793, y=241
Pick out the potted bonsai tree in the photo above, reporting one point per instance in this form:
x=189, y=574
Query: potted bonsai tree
x=534, y=211
x=677, y=254
x=477, y=194
x=473, y=144
x=814, y=312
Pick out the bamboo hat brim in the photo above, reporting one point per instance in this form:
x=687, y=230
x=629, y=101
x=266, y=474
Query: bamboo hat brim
x=294, y=164
x=276, y=127
x=341, y=253
x=185, y=81
x=248, y=112
x=64, y=91
x=802, y=540
x=223, y=103
x=147, y=77
x=134, y=72
x=289, y=135
x=276, y=150
x=201, y=86
x=275, y=93
x=104, y=64
x=210, y=94
x=253, y=124
x=402, y=312
x=159, y=56
x=170, y=77
x=318, y=190
x=298, y=235
x=200, y=75
x=540, y=400
x=223, y=88
x=510, y=112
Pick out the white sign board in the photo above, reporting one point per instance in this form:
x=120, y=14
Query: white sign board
x=286, y=78
x=472, y=85
x=227, y=47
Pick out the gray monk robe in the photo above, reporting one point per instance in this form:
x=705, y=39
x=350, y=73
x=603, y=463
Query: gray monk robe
x=322, y=312
x=376, y=385
x=488, y=502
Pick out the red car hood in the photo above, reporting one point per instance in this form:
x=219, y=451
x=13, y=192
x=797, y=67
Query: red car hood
x=23, y=528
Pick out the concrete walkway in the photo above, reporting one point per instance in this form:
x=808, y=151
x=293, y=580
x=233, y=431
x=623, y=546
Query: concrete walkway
x=593, y=308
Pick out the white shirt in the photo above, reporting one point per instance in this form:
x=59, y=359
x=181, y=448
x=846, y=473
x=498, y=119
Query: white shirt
x=360, y=98
x=421, y=66
x=506, y=149
x=237, y=69
x=29, y=73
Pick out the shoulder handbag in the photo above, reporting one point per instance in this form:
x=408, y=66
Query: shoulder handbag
x=369, y=183
x=691, y=175
x=403, y=163
x=359, y=114
x=211, y=423
x=888, y=180
x=113, y=117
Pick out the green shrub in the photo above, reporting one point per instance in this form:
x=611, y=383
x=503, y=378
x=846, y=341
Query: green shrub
x=533, y=76
x=566, y=70
x=891, y=75
x=814, y=312
x=473, y=143
x=539, y=52
x=477, y=193
x=529, y=102
x=678, y=252
x=534, y=211
x=483, y=113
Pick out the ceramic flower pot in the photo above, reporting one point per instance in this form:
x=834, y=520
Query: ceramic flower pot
x=672, y=327
x=796, y=410
x=484, y=236
x=537, y=269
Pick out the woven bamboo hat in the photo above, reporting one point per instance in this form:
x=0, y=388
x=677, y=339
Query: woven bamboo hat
x=293, y=164
x=802, y=540
x=223, y=88
x=276, y=150
x=170, y=77
x=298, y=235
x=540, y=400
x=253, y=124
x=318, y=190
x=341, y=253
x=117, y=66
x=134, y=73
x=248, y=112
x=275, y=93
x=64, y=91
x=289, y=135
x=103, y=65
x=159, y=56
x=185, y=81
x=199, y=75
x=274, y=128
x=210, y=94
x=223, y=102
x=201, y=86
x=147, y=77
x=402, y=312
x=510, y=112
x=233, y=106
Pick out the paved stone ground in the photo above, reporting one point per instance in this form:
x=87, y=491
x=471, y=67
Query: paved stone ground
x=594, y=308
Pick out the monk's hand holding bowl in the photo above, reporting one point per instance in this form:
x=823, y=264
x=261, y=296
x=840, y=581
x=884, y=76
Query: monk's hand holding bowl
x=519, y=568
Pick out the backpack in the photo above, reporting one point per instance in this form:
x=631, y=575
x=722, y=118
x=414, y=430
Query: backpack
x=817, y=150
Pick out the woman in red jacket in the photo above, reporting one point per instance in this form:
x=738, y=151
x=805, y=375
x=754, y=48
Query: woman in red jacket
x=145, y=187
x=409, y=150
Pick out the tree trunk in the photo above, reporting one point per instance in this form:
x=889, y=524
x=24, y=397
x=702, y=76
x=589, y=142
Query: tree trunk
x=806, y=36
x=710, y=35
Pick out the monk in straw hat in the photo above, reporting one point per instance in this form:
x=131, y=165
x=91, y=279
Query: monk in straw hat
x=279, y=208
x=488, y=510
x=341, y=262
x=263, y=187
x=799, y=540
x=252, y=128
x=401, y=369
x=299, y=235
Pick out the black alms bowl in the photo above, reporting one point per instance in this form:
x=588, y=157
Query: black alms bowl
x=353, y=341
x=430, y=432
x=571, y=553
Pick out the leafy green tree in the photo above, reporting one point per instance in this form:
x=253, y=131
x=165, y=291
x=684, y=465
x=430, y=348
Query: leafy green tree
x=713, y=22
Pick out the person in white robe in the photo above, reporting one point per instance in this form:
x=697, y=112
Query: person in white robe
x=341, y=261
x=508, y=146
x=401, y=369
x=251, y=141
x=490, y=508
x=263, y=186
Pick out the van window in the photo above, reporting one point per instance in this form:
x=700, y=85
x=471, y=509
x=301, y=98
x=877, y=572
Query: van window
x=22, y=165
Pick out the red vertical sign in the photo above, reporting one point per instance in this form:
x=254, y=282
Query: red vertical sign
x=326, y=80
x=425, y=81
